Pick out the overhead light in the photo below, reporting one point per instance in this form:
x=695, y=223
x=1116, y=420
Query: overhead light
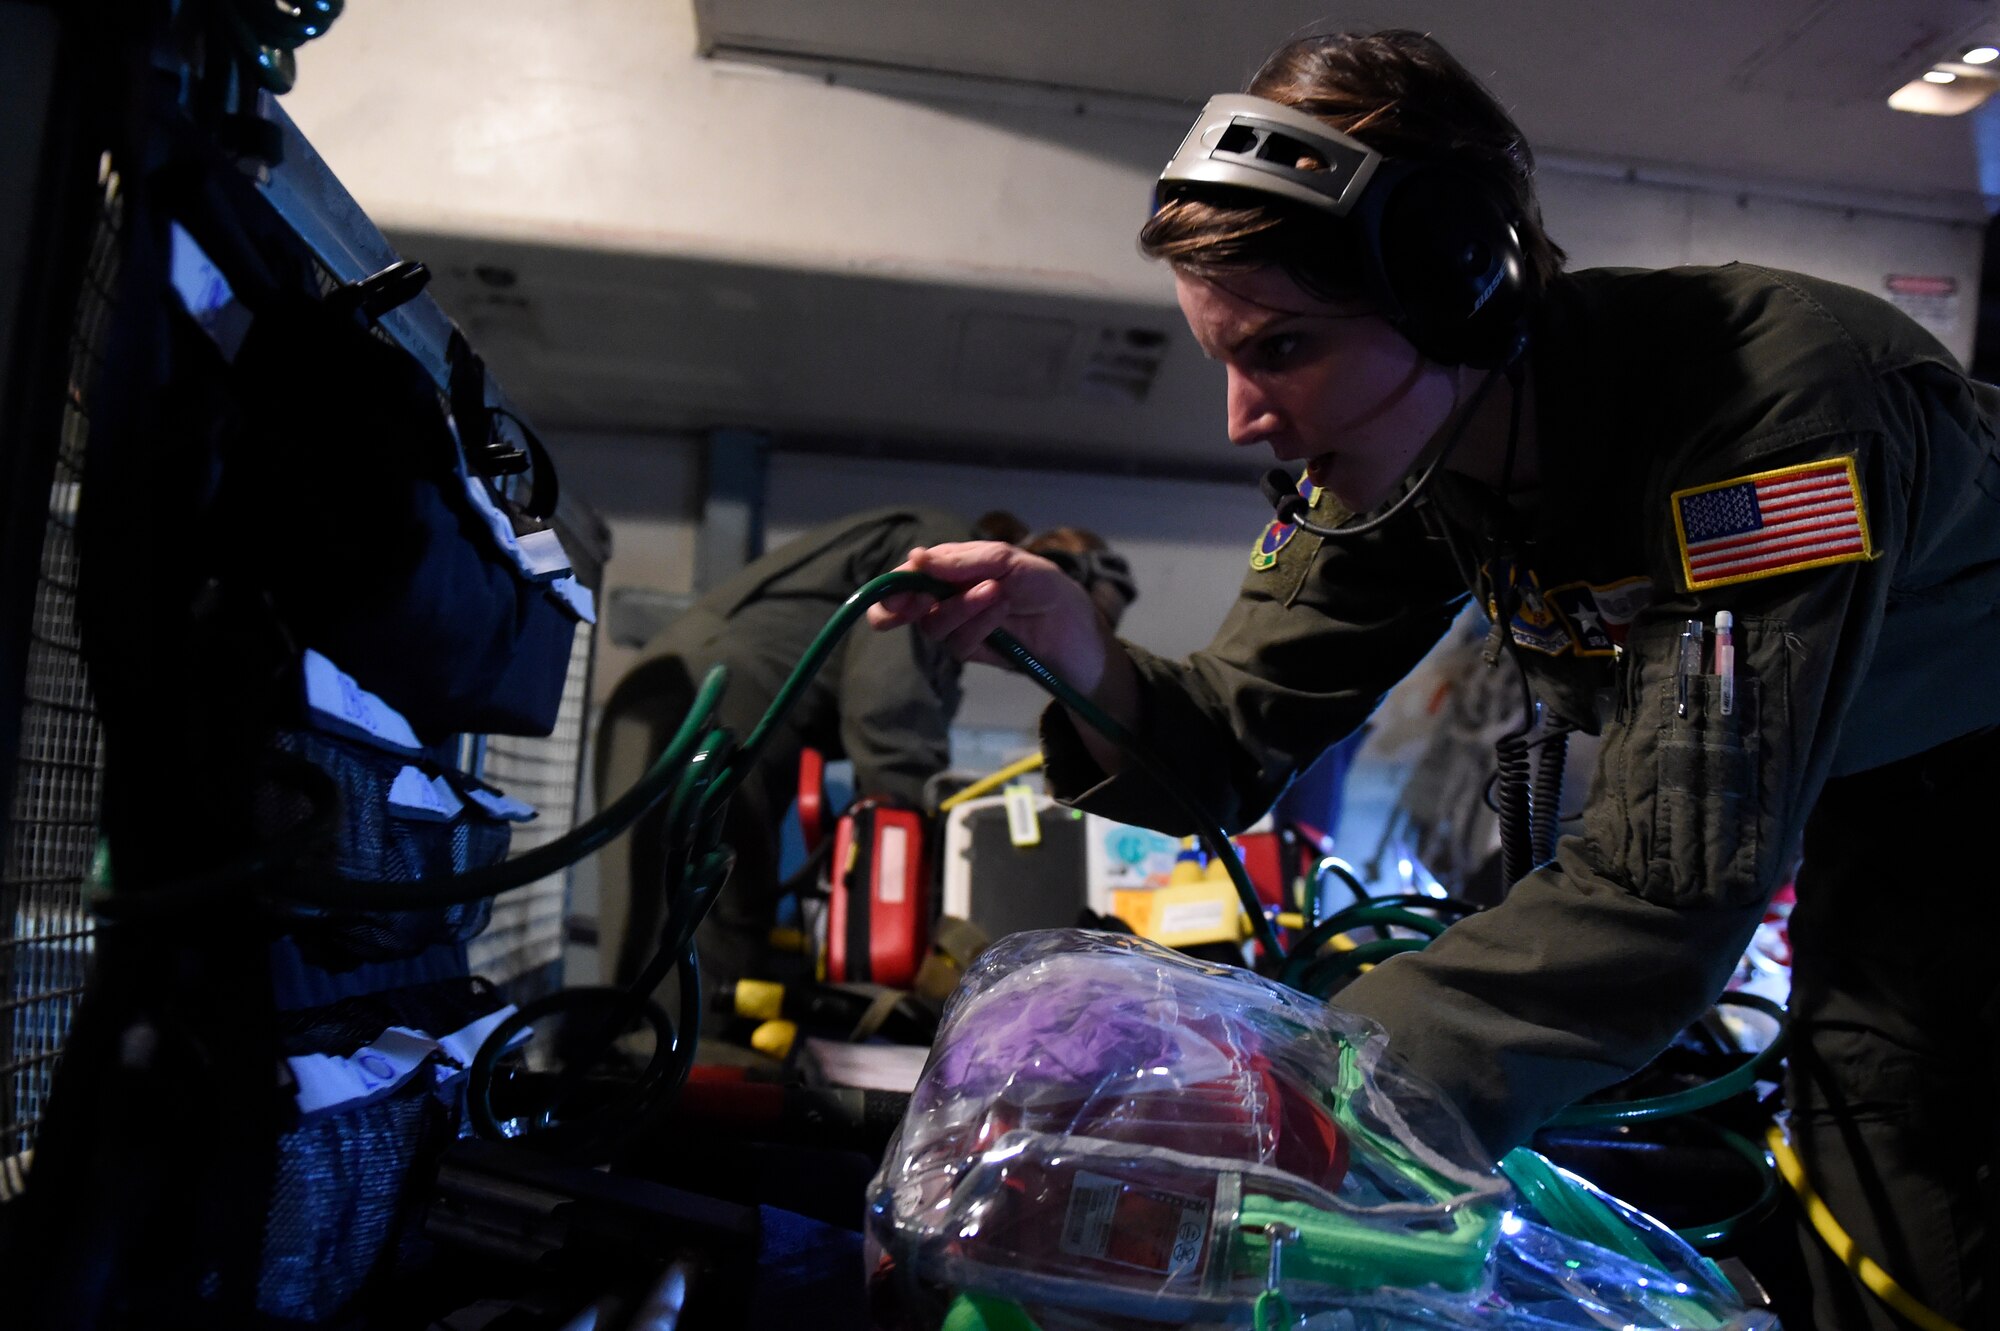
x=1946, y=92
x=1981, y=55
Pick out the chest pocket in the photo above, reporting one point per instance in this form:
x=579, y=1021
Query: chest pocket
x=1683, y=810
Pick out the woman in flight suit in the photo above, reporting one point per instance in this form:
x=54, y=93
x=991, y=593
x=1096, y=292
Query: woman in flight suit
x=1607, y=460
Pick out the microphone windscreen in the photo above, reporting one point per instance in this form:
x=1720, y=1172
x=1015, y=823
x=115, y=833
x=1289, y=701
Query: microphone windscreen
x=1282, y=494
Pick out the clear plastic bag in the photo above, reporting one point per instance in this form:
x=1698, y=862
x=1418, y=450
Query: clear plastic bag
x=1110, y=1131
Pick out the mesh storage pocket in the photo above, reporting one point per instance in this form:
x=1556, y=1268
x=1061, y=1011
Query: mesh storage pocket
x=377, y=844
x=347, y=1188
x=351, y=1182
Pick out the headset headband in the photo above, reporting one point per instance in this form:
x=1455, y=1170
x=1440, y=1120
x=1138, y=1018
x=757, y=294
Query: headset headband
x=1438, y=251
x=1255, y=144
x=1090, y=568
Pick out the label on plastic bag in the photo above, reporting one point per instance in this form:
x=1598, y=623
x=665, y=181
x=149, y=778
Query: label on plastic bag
x=332, y=1081
x=1111, y=1221
x=461, y=1045
x=206, y=293
x=541, y=554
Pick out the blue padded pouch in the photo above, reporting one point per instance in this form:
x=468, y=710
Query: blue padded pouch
x=344, y=496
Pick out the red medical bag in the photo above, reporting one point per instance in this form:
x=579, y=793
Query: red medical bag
x=878, y=921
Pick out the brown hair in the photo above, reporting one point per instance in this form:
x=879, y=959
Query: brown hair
x=1068, y=540
x=1402, y=94
x=1000, y=525
x=1084, y=556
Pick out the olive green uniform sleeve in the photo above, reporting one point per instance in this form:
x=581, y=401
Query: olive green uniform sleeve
x=1591, y=964
x=1305, y=655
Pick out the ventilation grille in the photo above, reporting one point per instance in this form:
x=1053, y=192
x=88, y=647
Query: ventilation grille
x=52, y=828
x=522, y=947
x=1040, y=358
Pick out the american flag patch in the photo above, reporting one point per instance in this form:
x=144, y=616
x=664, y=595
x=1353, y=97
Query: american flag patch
x=1774, y=522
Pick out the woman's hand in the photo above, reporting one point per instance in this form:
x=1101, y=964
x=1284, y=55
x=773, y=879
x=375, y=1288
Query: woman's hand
x=1005, y=587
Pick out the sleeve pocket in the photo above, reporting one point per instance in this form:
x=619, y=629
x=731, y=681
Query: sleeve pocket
x=1708, y=803
x=1682, y=810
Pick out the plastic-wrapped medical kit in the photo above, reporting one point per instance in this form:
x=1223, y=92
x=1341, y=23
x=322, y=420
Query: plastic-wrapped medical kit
x=1108, y=1131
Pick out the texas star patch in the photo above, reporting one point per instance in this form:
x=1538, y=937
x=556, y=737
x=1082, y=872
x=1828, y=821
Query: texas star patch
x=1588, y=619
x=1771, y=522
x=1599, y=614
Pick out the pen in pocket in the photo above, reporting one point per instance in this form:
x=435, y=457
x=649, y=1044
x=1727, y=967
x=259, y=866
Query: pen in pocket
x=1725, y=659
x=1689, y=665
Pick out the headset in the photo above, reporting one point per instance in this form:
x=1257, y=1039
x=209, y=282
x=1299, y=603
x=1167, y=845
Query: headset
x=1438, y=254
x=1089, y=568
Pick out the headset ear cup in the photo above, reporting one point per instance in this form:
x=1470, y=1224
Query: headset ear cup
x=1453, y=267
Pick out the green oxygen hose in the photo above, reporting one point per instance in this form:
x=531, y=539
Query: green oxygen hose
x=1010, y=648
x=1734, y=1082
x=329, y=891
x=697, y=783
x=667, y=777
x=1320, y=973
x=1212, y=836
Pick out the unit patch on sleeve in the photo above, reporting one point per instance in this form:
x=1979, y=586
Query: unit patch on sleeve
x=1536, y=624
x=1770, y=523
x=1264, y=554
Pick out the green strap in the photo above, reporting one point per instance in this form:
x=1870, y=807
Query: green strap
x=972, y=1311
x=1271, y=1313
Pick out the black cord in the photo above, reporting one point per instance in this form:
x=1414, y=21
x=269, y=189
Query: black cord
x=281, y=855
x=298, y=883
x=1291, y=506
x=1545, y=798
x=1512, y=781
x=1553, y=732
x=1213, y=837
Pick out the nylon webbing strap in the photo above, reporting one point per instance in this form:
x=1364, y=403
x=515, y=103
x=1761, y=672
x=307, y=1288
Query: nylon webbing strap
x=878, y=1012
x=955, y=945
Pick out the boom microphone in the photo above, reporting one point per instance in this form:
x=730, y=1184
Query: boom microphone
x=1281, y=494
x=1290, y=505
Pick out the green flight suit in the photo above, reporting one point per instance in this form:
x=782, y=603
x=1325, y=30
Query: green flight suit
x=1649, y=384
x=883, y=700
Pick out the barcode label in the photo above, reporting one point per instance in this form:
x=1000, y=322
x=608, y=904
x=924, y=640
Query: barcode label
x=1024, y=827
x=1110, y=1221
x=1087, y=1227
